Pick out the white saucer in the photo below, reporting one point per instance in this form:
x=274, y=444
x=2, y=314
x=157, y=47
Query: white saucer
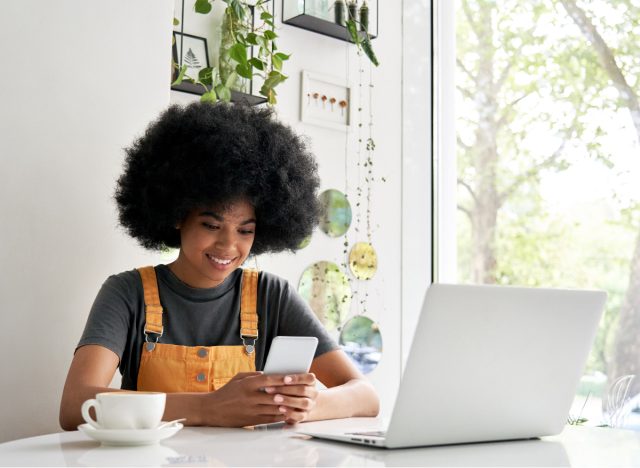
x=130, y=436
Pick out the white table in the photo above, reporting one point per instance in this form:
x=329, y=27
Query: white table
x=576, y=446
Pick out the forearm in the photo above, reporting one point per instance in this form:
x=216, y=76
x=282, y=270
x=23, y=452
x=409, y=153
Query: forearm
x=72, y=398
x=356, y=397
x=179, y=405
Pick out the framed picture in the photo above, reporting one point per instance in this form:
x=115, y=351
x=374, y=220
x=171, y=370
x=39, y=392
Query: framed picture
x=325, y=101
x=191, y=51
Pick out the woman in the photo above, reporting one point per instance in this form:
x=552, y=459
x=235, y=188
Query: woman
x=219, y=182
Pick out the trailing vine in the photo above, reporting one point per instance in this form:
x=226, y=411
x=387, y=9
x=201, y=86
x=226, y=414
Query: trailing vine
x=238, y=35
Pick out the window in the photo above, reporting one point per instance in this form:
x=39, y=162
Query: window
x=539, y=166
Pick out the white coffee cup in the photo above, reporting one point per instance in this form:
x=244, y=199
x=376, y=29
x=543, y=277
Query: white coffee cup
x=125, y=410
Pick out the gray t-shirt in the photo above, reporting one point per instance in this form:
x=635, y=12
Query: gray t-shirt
x=195, y=317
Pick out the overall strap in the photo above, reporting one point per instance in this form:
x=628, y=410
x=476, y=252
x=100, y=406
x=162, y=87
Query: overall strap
x=152, y=306
x=249, y=310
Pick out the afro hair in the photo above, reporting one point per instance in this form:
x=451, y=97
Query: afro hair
x=203, y=155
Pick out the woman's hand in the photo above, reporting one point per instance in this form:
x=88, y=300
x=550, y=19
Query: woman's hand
x=296, y=398
x=252, y=398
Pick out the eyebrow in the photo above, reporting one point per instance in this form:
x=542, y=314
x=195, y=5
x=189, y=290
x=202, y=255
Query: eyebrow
x=221, y=218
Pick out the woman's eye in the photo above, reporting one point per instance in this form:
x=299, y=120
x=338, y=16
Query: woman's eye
x=246, y=231
x=210, y=226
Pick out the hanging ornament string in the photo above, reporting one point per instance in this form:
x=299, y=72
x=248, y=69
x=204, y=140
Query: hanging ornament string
x=370, y=148
x=345, y=253
x=359, y=147
x=362, y=299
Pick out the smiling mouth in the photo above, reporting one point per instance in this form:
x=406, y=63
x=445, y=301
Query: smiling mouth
x=219, y=261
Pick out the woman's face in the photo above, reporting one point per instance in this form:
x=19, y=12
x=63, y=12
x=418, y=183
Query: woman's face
x=214, y=243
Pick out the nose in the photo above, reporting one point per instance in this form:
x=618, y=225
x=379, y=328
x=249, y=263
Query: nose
x=224, y=238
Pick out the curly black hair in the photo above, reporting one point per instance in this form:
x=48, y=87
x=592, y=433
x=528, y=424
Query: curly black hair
x=205, y=154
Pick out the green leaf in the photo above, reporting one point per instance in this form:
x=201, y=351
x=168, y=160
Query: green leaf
x=244, y=70
x=353, y=31
x=269, y=93
x=223, y=92
x=231, y=80
x=368, y=50
x=257, y=63
x=271, y=99
x=240, y=39
x=209, y=96
x=238, y=9
x=238, y=52
x=270, y=35
x=274, y=79
x=176, y=21
x=282, y=56
x=265, y=15
x=251, y=39
x=180, y=77
x=203, y=6
x=276, y=62
x=205, y=76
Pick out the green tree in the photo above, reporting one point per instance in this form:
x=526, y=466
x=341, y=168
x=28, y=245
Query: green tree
x=618, y=57
x=529, y=86
x=508, y=65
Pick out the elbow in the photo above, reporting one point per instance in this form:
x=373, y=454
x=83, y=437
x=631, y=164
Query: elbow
x=65, y=422
x=372, y=406
x=375, y=403
x=65, y=418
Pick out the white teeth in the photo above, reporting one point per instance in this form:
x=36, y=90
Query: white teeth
x=219, y=260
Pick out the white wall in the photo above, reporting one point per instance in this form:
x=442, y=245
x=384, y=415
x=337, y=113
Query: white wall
x=60, y=146
x=317, y=53
x=79, y=80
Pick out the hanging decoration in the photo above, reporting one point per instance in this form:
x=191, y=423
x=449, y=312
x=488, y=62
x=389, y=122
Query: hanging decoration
x=361, y=339
x=335, y=218
x=363, y=260
x=327, y=290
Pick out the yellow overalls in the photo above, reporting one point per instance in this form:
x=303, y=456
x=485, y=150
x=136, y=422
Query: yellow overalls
x=176, y=368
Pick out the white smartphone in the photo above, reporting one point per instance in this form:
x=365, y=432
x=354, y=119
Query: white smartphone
x=290, y=354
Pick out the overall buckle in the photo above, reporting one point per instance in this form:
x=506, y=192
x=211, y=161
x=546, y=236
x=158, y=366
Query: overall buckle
x=150, y=343
x=249, y=348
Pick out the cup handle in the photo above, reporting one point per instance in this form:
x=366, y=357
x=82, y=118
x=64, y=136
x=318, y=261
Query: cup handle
x=85, y=412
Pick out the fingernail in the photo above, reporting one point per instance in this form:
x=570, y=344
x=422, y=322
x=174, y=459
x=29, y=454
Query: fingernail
x=278, y=399
x=288, y=379
x=269, y=389
x=282, y=409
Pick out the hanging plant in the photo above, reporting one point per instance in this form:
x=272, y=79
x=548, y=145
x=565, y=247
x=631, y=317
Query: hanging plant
x=363, y=43
x=236, y=66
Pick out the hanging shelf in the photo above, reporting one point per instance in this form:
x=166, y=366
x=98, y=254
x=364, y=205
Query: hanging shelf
x=196, y=88
x=319, y=16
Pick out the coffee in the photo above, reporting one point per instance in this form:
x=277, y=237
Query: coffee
x=125, y=410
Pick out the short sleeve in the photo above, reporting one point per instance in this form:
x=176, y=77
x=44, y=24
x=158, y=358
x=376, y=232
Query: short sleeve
x=299, y=320
x=110, y=317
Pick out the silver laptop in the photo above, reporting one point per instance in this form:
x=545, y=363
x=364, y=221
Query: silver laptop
x=489, y=363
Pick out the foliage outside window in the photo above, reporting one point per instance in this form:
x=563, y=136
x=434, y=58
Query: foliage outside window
x=548, y=132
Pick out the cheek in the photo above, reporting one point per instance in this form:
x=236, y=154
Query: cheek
x=247, y=244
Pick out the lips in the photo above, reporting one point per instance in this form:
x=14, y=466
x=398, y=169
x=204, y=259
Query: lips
x=223, y=261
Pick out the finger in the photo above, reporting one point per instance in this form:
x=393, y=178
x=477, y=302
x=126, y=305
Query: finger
x=294, y=390
x=294, y=417
x=268, y=419
x=292, y=379
x=270, y=410
x=300, y=379
x=304, y=404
